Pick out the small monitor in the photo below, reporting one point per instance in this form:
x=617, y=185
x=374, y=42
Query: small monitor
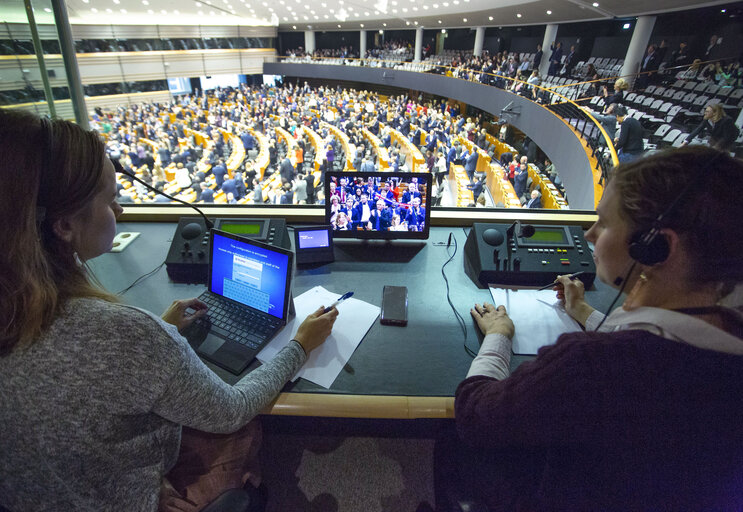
x=378, y=205
x=313, y=244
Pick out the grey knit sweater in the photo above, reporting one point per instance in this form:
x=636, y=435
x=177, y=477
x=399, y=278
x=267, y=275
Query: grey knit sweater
x=91, y=413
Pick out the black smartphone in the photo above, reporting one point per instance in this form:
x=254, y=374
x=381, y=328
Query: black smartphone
x=394, y=306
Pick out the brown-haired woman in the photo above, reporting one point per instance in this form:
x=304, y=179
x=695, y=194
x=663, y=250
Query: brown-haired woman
x=722, y=129
x=645, y=412
x=95, y=392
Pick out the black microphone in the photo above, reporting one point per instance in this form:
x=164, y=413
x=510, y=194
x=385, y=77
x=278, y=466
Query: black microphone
x=524, y=231
x=119, y=168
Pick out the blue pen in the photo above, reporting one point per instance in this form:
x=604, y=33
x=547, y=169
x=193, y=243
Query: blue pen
x=340, y=299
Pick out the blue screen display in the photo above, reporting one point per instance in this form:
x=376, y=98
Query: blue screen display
x=313, y=239
x=249, y=274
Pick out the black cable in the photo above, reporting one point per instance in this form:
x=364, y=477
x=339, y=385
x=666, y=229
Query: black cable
x=460, y=319
x=141, y=278
x=619, y=293
x=118, y=168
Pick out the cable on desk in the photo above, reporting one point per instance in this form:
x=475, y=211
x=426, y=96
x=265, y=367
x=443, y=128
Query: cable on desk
x=460, y=319
x=141, y=278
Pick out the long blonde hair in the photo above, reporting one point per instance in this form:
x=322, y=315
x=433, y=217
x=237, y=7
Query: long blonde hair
x=49, y=170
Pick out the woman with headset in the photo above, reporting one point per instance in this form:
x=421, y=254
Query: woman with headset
x=643, y=410
x=94, y=392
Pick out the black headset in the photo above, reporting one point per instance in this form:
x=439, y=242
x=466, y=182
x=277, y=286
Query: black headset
x=650, y=247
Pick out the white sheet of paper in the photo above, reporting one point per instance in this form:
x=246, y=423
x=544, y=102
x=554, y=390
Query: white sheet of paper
x=355, y=317
x=538, y=316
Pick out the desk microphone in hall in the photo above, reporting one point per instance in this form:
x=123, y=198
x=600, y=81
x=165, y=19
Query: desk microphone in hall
x=495, y=237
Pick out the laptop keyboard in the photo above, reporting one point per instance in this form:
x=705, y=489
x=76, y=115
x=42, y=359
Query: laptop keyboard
x=238, y=323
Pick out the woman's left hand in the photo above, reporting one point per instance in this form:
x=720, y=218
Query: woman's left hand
x=177, y=315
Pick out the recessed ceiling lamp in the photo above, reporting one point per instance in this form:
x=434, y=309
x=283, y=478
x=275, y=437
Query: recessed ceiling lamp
x=549, y=12
x=518, y=15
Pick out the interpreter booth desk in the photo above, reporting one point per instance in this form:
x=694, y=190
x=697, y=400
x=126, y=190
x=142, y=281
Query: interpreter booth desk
x=396, y=372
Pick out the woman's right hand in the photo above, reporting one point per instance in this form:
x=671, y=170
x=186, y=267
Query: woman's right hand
x=572, y=294
x=315, y=329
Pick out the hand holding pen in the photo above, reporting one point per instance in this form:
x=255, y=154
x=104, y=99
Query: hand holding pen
x=571, y=293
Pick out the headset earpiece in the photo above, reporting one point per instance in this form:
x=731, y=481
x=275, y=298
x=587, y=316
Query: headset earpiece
x=649, y=247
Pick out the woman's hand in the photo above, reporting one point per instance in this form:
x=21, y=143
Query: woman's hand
x=571, y=293
x=315, y=329
x=492, y=320
x=177, y=315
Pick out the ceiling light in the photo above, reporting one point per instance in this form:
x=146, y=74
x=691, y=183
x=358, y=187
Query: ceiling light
x=339, y=26
x=425, y=7
x=549, y=12
x=294, y=27
x=88, y=1
x=439, y=22
x=384, y=24
x=166, y=12
x=123, y=11
x=145, y=2
x=407, y=23
x=518, y=15
x=325, y=16
x=435, y=6
x=361, y=25
x=446, y=4
x=490, y=18
x=415, y=8
x=723, y=11
x=415, y=23
x=443, y=31
x=376, y=13
x=47, y=9
x=394, y=11
x=404, y=9
x=464, y=20
x=595, y=4
x=117, y=2
x=625, y=26
x=381, y=31
x=109, y=11
x=456, y=2
x=366, y=14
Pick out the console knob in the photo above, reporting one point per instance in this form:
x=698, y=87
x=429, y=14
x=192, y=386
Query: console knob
x=191, y=230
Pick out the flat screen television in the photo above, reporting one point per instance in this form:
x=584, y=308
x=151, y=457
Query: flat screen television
x=378, y=205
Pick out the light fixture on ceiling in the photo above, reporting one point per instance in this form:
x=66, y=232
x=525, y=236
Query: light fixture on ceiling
x=384, y=24
x=361, y=25
x=443, y=31
x=518, y=15
x=439, y=22
x=464, y=20
x=595, y=4
x=490, y=18
x=294, y=27
x=549, y=13
x=381, y=31
x=626, y=26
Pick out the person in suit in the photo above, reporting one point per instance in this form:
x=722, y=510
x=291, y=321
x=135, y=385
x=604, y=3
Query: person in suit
x=555, y=58
x=410, y=193
x=380, y=218
x=537, y=57
x=286, y=195
x=451, y=155
x=367, y=165
x=310, y=180
x=228, y=187
x=374, y=127
x=535, y=201
x=405, y=126
x=207, y=194
x=571, y=61
x=477, y=187
x=415, y=136
x=286, y=170
x=415, y=215
x=219, y=172
x=482, y=140
x=519, y=179
x=348, y=209
x=648, y=65
x=248, y=140
x=362, y=211
x=470, y=164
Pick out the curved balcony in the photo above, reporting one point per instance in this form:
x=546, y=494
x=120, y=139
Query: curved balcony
x=573, y=140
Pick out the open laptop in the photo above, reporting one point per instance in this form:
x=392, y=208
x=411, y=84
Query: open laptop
x=249, y=299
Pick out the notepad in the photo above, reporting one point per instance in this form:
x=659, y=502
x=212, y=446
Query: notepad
x=538, y=316
x=325, y=363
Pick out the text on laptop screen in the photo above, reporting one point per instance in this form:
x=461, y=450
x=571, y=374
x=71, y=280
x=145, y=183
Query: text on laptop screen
x=251, y=275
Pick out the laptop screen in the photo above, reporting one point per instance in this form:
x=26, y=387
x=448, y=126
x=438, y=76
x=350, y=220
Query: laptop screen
x=250, y=272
